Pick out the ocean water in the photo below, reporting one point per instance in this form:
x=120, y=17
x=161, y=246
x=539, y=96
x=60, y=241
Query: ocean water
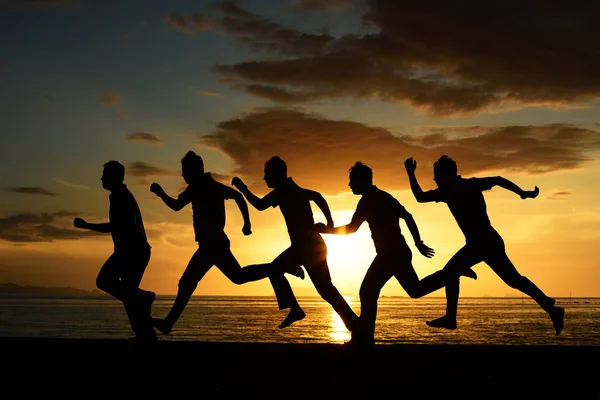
x=256, y=319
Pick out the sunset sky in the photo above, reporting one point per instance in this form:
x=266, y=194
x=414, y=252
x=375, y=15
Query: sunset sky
x=504, y=88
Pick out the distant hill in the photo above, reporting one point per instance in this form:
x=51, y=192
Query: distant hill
x=12, y=288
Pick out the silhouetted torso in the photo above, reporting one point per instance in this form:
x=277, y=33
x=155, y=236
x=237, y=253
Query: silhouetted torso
x=208, y=208
x=296, y=210
x=127, y=227
x=382, y=212
x=467, y=204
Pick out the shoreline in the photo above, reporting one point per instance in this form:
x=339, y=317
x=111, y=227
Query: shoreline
x=315, y=371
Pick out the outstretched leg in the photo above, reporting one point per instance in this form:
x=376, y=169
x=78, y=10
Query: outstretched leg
x=319, y=274
x=287, y=261
x=498, y=260
x=275, y=272
x=449, y=276
x=198, y=266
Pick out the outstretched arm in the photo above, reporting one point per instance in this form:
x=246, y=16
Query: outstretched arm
x=102, y=228
x=508, y=185
x=322, y=204
x=258, y=203
x=174, y=204
x=420, y=195
x=355, y=223
x=414, y=231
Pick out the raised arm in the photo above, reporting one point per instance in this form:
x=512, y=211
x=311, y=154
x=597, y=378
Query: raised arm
x=322, y=204
x=255, y=201
x=420, y=195
x=241, y=203
x=508, y=185
x=174, y=204
x=414, y=231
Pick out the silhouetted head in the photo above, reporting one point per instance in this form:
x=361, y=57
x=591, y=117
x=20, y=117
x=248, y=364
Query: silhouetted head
x=113, y=175
x=275, y=172
x=192, y=167
x=444, y=171
x=361, y=178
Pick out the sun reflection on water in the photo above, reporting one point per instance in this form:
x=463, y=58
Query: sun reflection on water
x=337, y=330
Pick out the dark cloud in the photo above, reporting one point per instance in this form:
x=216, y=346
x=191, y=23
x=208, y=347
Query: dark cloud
x=257, y=32
x=558, y=195
x=32, y=190
x=433, y=55
x=321, y=5
x=319, y=151
x=189, y=24
x=141, y=169
x=144, y=137
x=39, y=4
x=45, y=227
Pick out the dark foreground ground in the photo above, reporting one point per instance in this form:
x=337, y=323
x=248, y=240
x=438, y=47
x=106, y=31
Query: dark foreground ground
x=114, y=368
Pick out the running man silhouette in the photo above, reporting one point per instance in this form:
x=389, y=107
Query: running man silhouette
x=122, y=273
x=394, y=258
x=465, y=200
x=307, y=246
x=208, y=207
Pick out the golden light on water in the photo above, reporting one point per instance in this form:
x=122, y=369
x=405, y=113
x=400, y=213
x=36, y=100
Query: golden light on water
x=337, y=330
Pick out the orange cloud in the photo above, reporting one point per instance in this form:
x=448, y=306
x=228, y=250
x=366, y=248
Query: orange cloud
x=110, y=98
x=144, y=137
x=210, y=93
x=319, y=151
x=558, y=195
x=32, y=190
x=141, y=169
x=432, y=55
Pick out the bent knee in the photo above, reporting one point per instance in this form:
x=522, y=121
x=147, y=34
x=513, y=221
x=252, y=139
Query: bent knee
x=102, y=283
x=237, y=279
x=413, y=293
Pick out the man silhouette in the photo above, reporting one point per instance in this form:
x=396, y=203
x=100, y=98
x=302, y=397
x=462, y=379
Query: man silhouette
x=307, y=246
x=465, y=200
x=121, y=274
x=208, y=206
x=394, y=258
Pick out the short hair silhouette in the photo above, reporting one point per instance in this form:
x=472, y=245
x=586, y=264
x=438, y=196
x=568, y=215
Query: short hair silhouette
x=445, y=165
x=115, y=170
x=362, y=172
x=193, y=160
x=277, y=165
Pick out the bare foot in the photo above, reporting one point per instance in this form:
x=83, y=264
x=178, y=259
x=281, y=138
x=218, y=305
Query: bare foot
x=558, y=319
x=162, y=325
x=442, y=322
x=296, y=314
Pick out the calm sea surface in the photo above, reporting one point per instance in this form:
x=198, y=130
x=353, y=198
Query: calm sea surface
x=255, y=319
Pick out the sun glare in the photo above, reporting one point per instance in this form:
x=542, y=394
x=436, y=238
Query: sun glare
x=337, y=330
x=350, y=255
